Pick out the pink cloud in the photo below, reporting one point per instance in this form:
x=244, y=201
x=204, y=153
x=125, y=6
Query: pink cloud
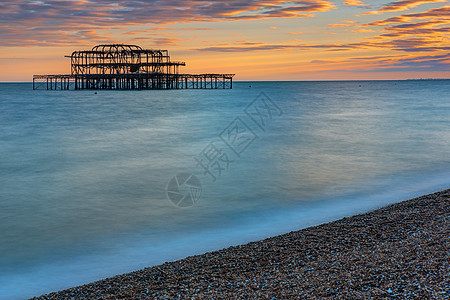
x=61, y=16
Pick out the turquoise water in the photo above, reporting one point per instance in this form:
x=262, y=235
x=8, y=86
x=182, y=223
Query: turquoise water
x=84, y=176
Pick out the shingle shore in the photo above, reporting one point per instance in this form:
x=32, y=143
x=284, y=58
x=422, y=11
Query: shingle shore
x=401, y=251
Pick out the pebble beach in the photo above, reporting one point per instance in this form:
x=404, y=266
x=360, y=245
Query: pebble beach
x=401, y=251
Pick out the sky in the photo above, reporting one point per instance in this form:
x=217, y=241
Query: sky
x=254, y=39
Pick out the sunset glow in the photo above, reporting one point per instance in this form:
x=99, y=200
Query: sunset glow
x=257, y=40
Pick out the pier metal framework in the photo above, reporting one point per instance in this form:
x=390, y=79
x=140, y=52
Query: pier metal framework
x=119, y=66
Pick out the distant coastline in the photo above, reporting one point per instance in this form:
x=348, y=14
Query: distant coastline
x=427, y=79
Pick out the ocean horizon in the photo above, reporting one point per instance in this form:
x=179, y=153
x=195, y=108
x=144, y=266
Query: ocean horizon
x=91, y=183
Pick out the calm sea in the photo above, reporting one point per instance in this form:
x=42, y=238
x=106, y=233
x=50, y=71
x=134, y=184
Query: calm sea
x=91, y=184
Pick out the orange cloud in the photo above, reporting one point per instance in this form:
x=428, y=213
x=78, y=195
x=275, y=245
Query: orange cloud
x=407, y=4
x=390, y=63
x=428, y=32
x=431, y=29
x=398, y=19
x=34, y=20
x=441, y=12
x=432, y=34
x=363, y=30
x=402, y=5
x=420, y=37
x=426, y=24
x=342, y=25
x=354, y=3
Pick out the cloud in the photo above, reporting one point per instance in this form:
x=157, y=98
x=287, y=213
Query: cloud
x=406, y=33
x=354, y=3
x=416, y=44
x=441, y=12
x=342, y=25
x=425, y=24
x=407, y=4
x=362, y=30
x=402, y=6
x=422, y=31
x=419, y=63
x=322, y=61
x=441, y=61
x=65, y=18
x=388, y=63
x=197, y=28
x=38, y=36
x=404, y=43
x=397, y=19
x=159, y=41
x=345, y=24
x=256, y=46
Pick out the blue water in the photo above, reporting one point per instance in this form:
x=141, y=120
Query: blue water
x=84, y=176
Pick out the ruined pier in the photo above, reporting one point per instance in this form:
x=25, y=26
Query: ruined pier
x=128, y=67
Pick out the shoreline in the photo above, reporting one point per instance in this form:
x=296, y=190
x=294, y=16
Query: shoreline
x=398, y=251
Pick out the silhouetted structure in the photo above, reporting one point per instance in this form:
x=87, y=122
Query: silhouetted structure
x=119, y=66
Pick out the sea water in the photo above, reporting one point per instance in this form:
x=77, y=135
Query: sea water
x=89, y=181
